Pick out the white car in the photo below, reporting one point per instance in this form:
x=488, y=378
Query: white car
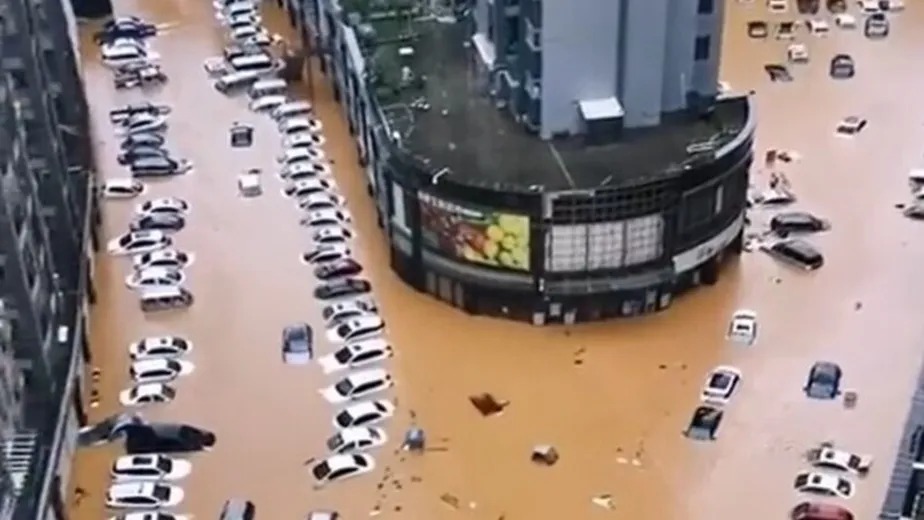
x=166, y=258
x=305, y=170
x=845, y=21
x=797, y=53
x=823, y=484
x=828, y=457
x=142, y=123
x=356, y=355
x=720, y=384
x=267, y=103
x=358, y=385
x=356, y=328
x=818, y=27
x=138, y=242
x=327, y=217
x=151, y=515
x=869, y=6
x=365, y=413
x=160, y=370
x=163, y=205
x=126, y=188
x=303, y=188
x=893, y=6
x=293, y=109
x=358, y=438
x=304, y=140
x=340, y=467
x=143, y=495
x=151, y=393
x=301, y=154
x=332, y=235
x=340, y=311
x=299, y=125
x=743, y=327
x=158, y=347
x=324, y=253
x=155, y=277
x=150, y=467
x=321, y=201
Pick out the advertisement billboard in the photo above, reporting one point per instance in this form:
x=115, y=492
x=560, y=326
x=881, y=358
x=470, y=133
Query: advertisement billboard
x=475, y=234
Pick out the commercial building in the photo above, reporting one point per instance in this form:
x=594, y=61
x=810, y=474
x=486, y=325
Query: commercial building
x=46, y=205
x=542, y=161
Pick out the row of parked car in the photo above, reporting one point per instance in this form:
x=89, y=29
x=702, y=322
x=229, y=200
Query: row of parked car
x=125, y=50
x=249, y=57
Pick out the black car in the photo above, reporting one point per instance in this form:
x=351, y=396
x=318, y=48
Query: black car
x=704, y=424
x=842, y=67
x=797, y=222
x=808, y=6
x=120, y=114
x=338, y=268
x=166, y=438
x=158, y=221
x=108, y=430
x=297, y=348
x=796, y=252
x=824, y=381
x=341, y=288
x=130, y=27
x=139, y=152
x=157, y=167
x=143, y=140
x=778, y=72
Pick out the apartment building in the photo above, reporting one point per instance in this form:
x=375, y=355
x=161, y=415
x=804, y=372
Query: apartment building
x=46, y=210
x=560, y=65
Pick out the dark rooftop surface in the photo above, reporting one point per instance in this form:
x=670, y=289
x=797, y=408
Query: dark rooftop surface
x=479, y=143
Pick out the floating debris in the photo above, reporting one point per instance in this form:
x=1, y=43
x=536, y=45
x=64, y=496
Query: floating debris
x=544, y=454
x=450, y=500
x=605, y=501
x=487, y=404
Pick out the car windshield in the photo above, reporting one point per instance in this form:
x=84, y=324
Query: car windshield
x=179, y=343
x=164, y=464
x=321, y=471
x=126, y=240
x=153, y=162
x=801, y=480
x=343, y=419
x=168, y=392
x=344, y=330
x=854, y=461
x=335, y=442
x=343, y=355
x=344, y=387
x=360, y=461
x=173, y=366
x=843, y=486
x=823, y=377
x=720, y=380
x=162, y=493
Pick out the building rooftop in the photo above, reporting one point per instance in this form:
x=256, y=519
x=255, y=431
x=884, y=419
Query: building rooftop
x=446, y=118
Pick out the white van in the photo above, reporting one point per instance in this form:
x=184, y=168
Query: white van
x=268, y=87
x=235, y=81
x=165, y=298
x=253, y=62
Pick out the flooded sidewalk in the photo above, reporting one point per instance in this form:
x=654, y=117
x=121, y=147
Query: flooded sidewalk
x=611, y=398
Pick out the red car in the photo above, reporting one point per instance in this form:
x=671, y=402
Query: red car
x=820, y=511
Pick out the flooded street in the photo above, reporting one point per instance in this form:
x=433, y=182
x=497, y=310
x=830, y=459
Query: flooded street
x=611, y=397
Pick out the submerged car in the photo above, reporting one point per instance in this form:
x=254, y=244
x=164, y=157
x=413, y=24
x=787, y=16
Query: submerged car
x=143, y=495
x=324, y=253
x=828, y=457
x=720, y=384
x=138, y=242
x=150, y=467
x=167, y=438
x=797, y=222
x=795, y=252
x=356, y=438
x=117, y=115
x=357, y=385
x=842, y=67
x=142, y=140
x=159, y=167
x=823, y=484
x=743, y=327
x=297, y=347
x=158, y=221
x=125, y=188
x=155, y=347
x=340, y=467
x=139, y=152
x=704, y=424
x=824, y=381
x=365, y=413
x=850, y=126
x=165, y=258
x=819, y=511
x=758, y=29
x=356, y=355
x=876, y=26
x=342, y=288
x=338, y=269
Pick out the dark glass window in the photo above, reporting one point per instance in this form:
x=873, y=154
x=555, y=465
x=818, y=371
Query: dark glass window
x=706, y=7
x=701, y=50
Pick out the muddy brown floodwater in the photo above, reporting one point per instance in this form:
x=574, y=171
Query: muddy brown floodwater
x=615, y=417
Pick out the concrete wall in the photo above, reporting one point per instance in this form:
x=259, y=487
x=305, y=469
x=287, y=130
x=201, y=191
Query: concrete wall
x=579, y=58
x=643, y=57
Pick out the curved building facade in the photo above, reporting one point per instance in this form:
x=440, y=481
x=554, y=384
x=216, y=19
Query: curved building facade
x=591, y=248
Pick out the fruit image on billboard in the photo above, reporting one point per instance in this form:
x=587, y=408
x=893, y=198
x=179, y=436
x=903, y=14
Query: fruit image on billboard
x=476, y=234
